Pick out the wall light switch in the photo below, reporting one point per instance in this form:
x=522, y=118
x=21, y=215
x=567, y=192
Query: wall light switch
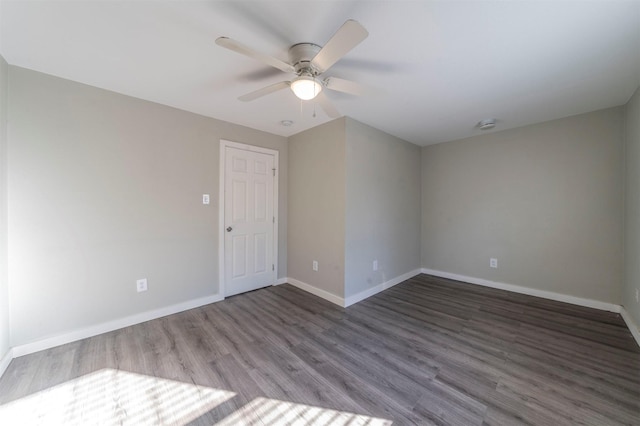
x=205, y=198
x=141, y=285
x=315, y=265
x=375, y=265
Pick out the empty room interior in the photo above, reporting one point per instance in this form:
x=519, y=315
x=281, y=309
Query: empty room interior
x=320, y=212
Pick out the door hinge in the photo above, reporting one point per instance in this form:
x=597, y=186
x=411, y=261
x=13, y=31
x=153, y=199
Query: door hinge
x=274, y=172
x=273, y=267
x=274, y=219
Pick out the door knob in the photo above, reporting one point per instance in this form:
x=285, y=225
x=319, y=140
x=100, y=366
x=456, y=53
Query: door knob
x=229, y=229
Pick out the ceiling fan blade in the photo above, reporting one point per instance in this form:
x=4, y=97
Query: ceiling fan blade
x=327, y=106
x=264, y=91
x=350, y=34
x=238, y=47
x=346, y=86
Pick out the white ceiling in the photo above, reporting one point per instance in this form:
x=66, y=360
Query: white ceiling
x=443, y=65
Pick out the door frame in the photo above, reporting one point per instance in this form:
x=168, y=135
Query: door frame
x=224, y=144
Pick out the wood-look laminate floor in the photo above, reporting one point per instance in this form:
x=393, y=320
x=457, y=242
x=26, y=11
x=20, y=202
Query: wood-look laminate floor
x=427, y=351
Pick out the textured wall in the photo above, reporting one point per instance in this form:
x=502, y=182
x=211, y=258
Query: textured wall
x=4, y=287
x=632, y=207
x=105, y=189
x=546, y=200
x=317, y=206
x=382, y=208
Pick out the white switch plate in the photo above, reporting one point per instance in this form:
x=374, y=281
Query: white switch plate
x=315, y=265
x=141, y=285
x=375, y=265
x=493, y=262
x=205, y=198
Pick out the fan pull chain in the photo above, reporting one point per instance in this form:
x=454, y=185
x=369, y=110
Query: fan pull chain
x=315, y=101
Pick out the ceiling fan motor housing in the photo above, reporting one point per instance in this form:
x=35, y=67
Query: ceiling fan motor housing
x=300, y=56
x=308, y=61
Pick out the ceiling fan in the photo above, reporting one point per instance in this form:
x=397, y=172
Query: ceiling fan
x=308, y=62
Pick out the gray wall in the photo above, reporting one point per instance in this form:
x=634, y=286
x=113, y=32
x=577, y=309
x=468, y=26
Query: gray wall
x=632, y=207
x=317, y=206
x=382, y=207
x=4, y=288
x=546, y=200
x=105, y=189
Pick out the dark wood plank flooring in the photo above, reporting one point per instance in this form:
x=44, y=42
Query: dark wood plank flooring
x=427, y=351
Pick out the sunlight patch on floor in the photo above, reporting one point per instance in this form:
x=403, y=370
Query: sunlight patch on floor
x=271, y=412
x=110, y=397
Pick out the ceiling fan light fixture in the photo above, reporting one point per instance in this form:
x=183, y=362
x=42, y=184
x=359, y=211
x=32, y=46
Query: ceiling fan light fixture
x=306, y=87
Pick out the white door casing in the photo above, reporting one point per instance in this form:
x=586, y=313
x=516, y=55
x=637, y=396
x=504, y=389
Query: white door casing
x=248, y=217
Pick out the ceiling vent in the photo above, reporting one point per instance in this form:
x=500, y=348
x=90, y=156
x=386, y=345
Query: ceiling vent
x=486, y=124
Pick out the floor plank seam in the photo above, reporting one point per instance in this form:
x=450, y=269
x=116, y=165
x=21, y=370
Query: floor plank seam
x=428, y=350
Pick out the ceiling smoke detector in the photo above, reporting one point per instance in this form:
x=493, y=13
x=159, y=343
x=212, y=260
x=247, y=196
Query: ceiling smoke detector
x=487, y=123
x=286, y=123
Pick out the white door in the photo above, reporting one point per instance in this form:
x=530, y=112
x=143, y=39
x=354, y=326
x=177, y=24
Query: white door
x=248, y=220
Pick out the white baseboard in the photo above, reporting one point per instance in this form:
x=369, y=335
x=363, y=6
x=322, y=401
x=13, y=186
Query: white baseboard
x=5, y=361
x=316, y=291
x=75, y=335
x=380, y=287
x=356, y=297
x=631, y=324
x=281, y=281
x=589, y=303
x=105, y=327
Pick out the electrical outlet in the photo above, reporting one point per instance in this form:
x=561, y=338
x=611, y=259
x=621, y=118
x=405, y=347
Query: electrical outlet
x=141, y=285
x=493, y=262
x=205, y=198
x=375, y=265
x=315, y=265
